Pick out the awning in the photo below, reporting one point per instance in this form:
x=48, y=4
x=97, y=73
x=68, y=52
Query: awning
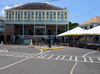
x=75, y=31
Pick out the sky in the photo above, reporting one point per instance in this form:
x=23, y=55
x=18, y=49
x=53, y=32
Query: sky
x=80, y=11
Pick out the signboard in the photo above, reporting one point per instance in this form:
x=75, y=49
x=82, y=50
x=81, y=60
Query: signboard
x=39, y=26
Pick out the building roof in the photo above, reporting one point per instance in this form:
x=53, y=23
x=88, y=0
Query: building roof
x=95, y=19
x=36, y=6
x=1, y=18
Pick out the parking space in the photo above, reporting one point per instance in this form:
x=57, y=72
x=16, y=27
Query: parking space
x=66, y=61
x=6, y=60
x=19, y=48
x=39, y=66
x=95, y=54
x=87, y=68
x=71, y=51
x=69, y=58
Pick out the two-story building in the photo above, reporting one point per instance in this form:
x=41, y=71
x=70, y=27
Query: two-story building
x=38, y=19
x=2, y=29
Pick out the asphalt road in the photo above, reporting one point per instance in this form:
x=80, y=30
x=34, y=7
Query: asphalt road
x=23, y=60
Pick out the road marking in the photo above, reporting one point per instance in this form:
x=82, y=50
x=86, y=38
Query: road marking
x=17, y=62
x=43, y=56
x=58, y=57
x=39, y=56
x=71, y=72
x=70, y=58
x=75, y=58
x=90, y=59
x=14, y=54
x=88, y=53
x=84, y=59
x=40, y=50
x=50, y=57
x=98, y=58
x=62, y=57
x=30, y=55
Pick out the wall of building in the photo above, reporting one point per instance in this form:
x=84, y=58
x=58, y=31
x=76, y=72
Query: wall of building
x=53, y=21
x=35, y=15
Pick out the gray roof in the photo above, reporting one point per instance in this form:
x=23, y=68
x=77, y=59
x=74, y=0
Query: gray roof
x=36, y=6
x=1, y=18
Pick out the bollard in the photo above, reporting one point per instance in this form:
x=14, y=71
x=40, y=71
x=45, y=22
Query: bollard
x=31, y=44
x=1, y=42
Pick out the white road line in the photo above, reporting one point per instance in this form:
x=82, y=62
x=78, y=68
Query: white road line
x=40, y=50
x=14, y=54
x=75, y=58
x=98, y=58
x=39, y=56
x=17, y=56
x=10, y=52
x=29, y=55
x=10, y=55
x=6, y=55
x=43, y=56
x=62, y=57
x=20, y=56
x=90, y=59
x=17, y=62
x=71, y=72
x=70, y=58
x=88, y=53
x=50, y=57
x=58, y=57
x=84, y=59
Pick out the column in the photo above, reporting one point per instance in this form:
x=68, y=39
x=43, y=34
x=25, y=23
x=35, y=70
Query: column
x=45, y=22
x=23, y=29
x=56, y=28
x=45, y=28
x=68, y=26
x=34, y=28
x=65, y=27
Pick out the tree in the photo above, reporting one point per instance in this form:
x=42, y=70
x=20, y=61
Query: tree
x=72, y=25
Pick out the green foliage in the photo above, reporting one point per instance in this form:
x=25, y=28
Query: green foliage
x=72, y=25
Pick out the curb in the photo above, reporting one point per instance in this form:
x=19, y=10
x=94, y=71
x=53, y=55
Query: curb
x=50, y=48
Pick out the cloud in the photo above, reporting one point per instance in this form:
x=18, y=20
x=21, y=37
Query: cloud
x=16, y=5
x=6, y=7
x=46, y=2
x=2, y=11
x=52, y=0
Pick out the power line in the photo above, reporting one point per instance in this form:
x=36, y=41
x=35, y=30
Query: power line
x=85, y=13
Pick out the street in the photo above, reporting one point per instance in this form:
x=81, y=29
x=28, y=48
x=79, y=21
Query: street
x=23, y=60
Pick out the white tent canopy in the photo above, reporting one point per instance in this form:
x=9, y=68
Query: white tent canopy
x=74, y=31
x=93, y=31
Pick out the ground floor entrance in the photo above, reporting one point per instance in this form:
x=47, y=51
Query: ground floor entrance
x=20, y=33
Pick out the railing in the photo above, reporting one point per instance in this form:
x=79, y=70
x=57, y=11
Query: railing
x=26, y=38
x=35, y=36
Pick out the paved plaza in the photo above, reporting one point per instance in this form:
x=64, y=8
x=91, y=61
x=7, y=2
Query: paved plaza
x=19, y=59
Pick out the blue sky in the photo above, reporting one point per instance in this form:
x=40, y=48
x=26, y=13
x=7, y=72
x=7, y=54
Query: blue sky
x=79, y=10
